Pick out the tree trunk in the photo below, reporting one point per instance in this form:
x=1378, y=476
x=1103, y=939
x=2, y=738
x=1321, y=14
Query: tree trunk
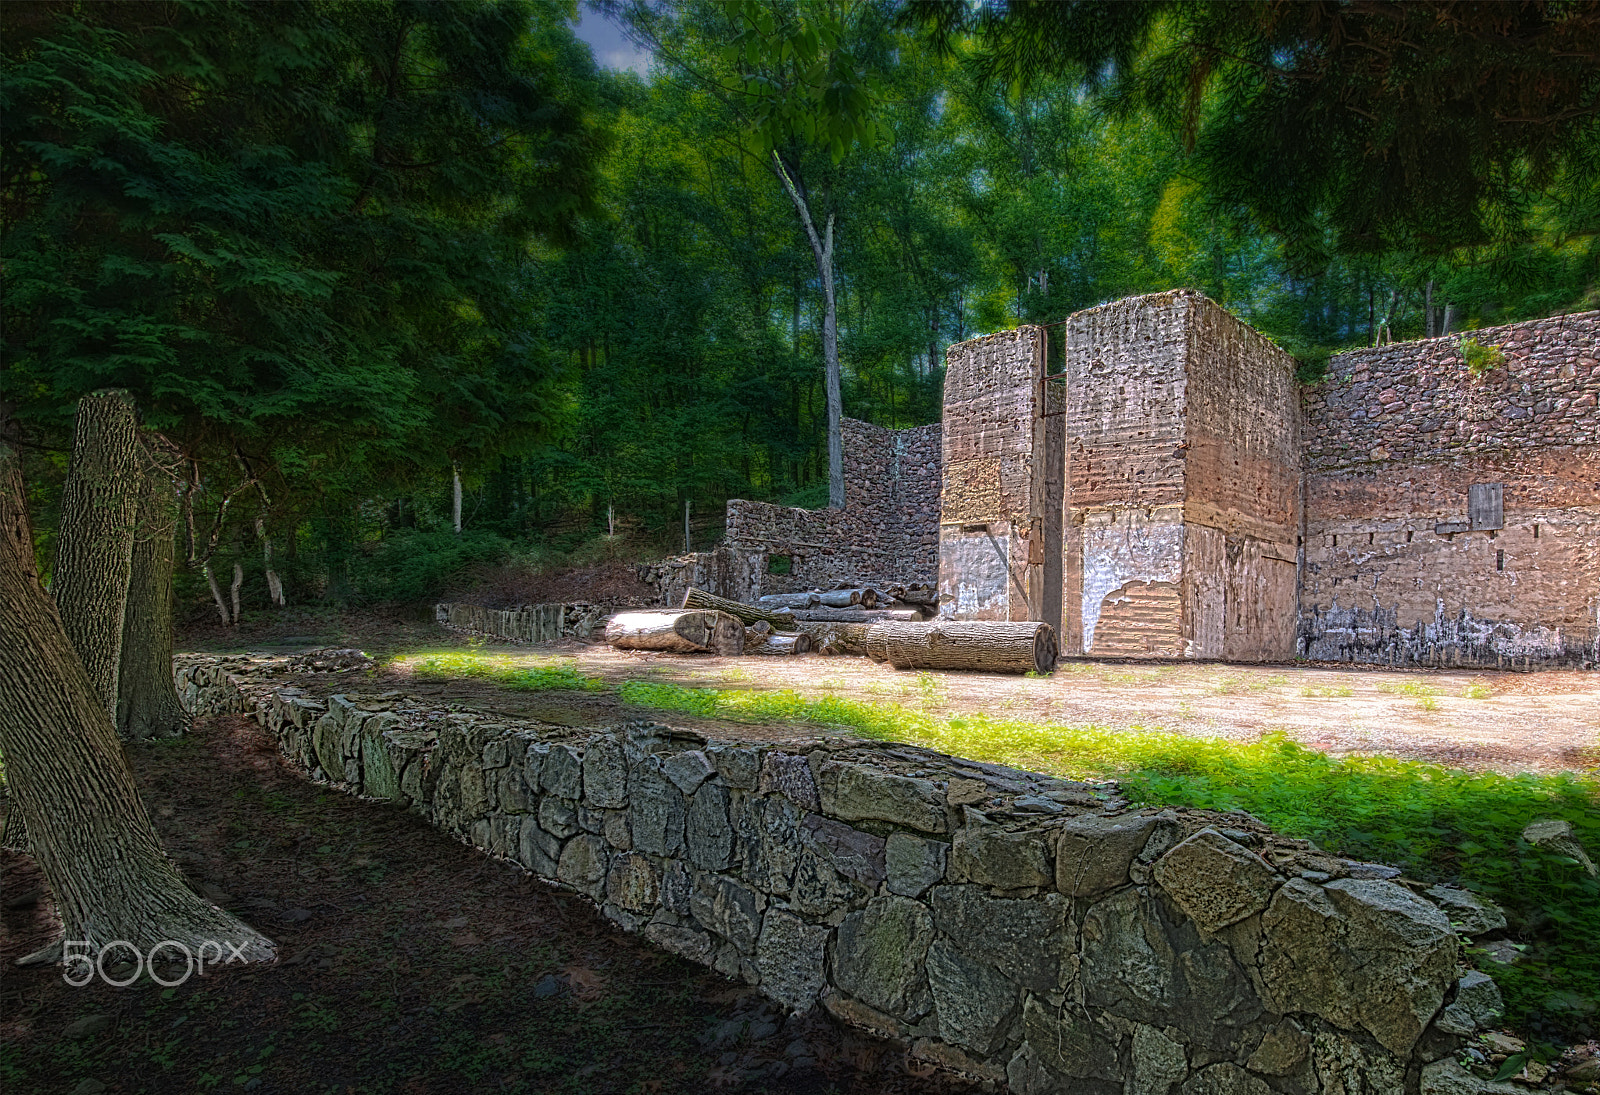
x=682, y=632
x=822, y=251
x=789, y=600
x=216, y=594
x=99, y=511
x=147, y=700
x=844, y=598
x=836, y=638
x=859, y=615
x=455, y=498
x=233, y=590
x=1027, y=646
x=798, y=643
x=67, y=774
x=274, y=583
x=699, y=598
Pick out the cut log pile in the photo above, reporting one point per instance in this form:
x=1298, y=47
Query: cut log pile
x=990, y=645
x=699, y=598
x=859, y=604
x=682, y=632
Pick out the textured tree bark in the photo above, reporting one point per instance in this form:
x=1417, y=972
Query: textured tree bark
x=216, y=594
x=789, y=600
x=455, y=498
x=858, y=615
x=993, y=646
x=684, y=631
x=845, y=598
x=67, y=774
x=99, y=512
x=836, y=638
x=699, y=598
x=147, y=700
x=797, y=643
x=233, y=590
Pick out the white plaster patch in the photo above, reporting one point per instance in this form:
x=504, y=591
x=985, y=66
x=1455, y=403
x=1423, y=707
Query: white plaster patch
x=1122, y=546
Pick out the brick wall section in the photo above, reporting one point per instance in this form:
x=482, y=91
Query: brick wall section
x=1000, y=505
x=1021, y=930
x=886, y=532
x=1395, y=439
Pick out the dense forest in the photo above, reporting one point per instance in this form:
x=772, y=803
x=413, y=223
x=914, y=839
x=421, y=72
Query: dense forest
x=402, y=287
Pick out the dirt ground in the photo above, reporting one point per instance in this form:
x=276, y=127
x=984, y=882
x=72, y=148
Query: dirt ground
x=1510, y=722
x=1541, y=721
x=409, y=964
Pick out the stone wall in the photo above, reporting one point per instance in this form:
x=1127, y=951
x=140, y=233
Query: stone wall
x=886, y=533
x=1400, y=567
x=1015, y=928
x=1000, y=506
x=526, y=624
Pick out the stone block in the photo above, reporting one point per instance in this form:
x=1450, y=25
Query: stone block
x=728, y=909
x=913, y=864
x=1282, y=1051
x=539, y=851
x=851, y=852
x=558, y=817
x=687, y=770
x=1158, y=1062
x=1070, y=1044
x=769, y=842
x=975, y=1005
x=739, y=766
x=1477, y=1006
x=561, y=774
x=1027, y=939
x=1361, y=954
x=583, y=864
x=1216, y=881
x=1224, y=1079
x=818, y=889
x=708, y=832
x=605, y=773
x=1093, y=853
x=950, y=1058
x=633, y=882
x=880, y=954
x=791, y=955
x=860, y=792
x=1446, y=1077
x=991, y=856
x=1469, y=914
x=789, y=775
x=688, y=943
x=658, y=810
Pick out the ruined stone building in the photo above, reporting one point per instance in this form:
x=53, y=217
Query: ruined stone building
x=1149, y=478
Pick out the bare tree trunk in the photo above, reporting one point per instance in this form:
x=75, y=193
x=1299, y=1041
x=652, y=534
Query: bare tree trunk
x=99, y=511
x=216, y=594
x=822, y=251
x=1016, y=647
x=684, y=631
x=1427, y=309
x=233, y=591
x=147, y=700
x=699, y=598
x=455, y=502
x=90, y=833
x=274, y=583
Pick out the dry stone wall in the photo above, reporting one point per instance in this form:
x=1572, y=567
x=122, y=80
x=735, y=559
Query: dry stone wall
x=544, y=623
x=1401, y=564
x=1034, y=932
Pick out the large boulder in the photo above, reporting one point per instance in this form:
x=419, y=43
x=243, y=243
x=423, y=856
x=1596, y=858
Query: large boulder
x=1363, y=954
x=1093, y=853
x=880, y=955
x=1216, y=881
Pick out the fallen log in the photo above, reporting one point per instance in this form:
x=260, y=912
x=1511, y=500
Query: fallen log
x=836, y=638
x=857, y=615
x=866, y=597
x=699, y=598
x=796, y=643
x=989, y=645
x=919, y=596
x=683, y=632
x=790, y=600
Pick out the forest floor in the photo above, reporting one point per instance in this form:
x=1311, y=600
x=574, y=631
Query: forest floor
x=410, y=964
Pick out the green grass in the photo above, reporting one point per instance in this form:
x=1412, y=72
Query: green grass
x=1438, y=823
x=553, y=675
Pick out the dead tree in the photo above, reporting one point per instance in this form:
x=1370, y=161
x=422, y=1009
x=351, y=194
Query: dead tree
x=699, y=598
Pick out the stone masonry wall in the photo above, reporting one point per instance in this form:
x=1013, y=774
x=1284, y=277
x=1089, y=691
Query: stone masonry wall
x=1024, y=930
x=527, y=624
x=887, y=531
x=1399, y=566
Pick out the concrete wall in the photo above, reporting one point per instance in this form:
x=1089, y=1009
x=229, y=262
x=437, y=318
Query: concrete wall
x=1014, y=928
x=1396, y=569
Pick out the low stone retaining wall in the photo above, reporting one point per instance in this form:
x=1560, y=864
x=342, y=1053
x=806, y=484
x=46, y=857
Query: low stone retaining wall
x=527, y=624
x=1029, y=931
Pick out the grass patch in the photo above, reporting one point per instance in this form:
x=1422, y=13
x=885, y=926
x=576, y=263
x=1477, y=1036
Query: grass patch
x=555, y=674
x=1328, y=691
x=1476, y=692
x=1437, y=823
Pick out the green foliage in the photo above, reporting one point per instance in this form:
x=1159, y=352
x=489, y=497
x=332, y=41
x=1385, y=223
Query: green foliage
x=1438, y=823
x=554, y=675
x=1481, y=358
x=410, y=565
